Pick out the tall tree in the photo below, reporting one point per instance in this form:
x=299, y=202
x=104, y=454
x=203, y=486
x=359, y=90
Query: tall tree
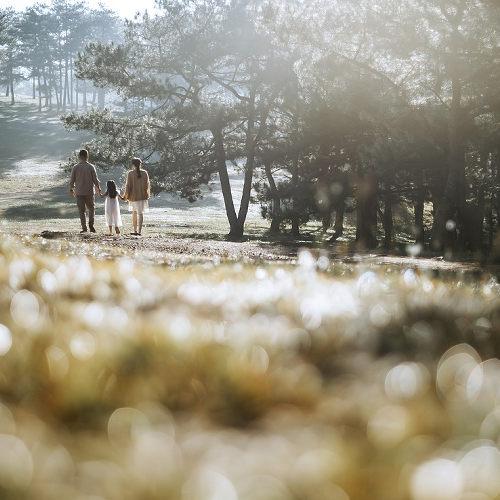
x=10, y=50
x=203, y=84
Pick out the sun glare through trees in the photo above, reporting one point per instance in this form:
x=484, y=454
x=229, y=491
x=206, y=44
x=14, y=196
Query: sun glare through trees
x=313, y=308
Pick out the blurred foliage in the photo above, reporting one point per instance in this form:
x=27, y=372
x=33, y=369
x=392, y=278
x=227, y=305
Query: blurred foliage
x=238, y=379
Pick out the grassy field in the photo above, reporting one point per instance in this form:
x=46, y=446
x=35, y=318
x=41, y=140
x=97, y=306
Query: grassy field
x=34, y=187
x=227, y=375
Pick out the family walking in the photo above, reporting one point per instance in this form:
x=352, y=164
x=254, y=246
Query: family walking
x=84, y=183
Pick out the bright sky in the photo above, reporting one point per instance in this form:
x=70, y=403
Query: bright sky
x=124, y=8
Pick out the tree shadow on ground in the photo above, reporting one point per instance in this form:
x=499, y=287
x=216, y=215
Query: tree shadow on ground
x=27, y=133
x=31, y=211
x=53, y=203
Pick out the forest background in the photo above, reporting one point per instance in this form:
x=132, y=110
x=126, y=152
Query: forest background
x=382, y=115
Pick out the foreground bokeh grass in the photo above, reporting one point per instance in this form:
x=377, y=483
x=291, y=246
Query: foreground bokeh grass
x=233, y=379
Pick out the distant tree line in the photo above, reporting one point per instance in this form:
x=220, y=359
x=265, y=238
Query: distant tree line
x=41, y=44
x=387, y=110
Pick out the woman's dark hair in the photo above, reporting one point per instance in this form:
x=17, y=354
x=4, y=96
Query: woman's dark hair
x=111, y=187
x=137, y=164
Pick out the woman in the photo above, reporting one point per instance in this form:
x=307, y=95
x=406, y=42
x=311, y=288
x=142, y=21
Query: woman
x=137, y=192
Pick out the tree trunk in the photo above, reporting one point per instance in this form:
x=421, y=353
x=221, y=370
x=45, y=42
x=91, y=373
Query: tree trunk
x=66, y=87
x=11, y=83
x=387, y=221
x=45, y=87
x=419, y=207
x=366, y=225
x=224, y=177
x=84, y=97
x=39, y=93
x=338, y=225
x=249, y=167
x=275, y=199
x=295, y=164
x=453, y=201
x=101, y=94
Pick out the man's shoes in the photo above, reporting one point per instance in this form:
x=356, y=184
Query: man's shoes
x=92, y=229
x=83, y=230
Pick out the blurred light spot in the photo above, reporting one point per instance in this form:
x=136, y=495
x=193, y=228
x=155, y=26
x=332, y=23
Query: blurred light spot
x=388, y=426
x=57, y=465
x=482, y=328
x=296, y=339
x=406, y=381
x=322, y=197
x=47, y=281
x=101, y=291
x=209, y=485
x=25, y=309
x=180, y=328
x=490, y=428
x=437, y=479
x=218, y=295
x=255, y=357
x=158, y=417
x=341, y=301
x=16, y=464
x=379, y=316
x=82, y=345
x=451, y=225
x=133, y=286
x=480, y=471
x=125, y=425
x=454, y=370
x=306, y=260
x=367, y=283
x=483, y=385
x=414, y=250
x=155, y=456
x=410, y=278
x=311, y=314
x=5, y=340
x=193, y=293
x=260, y=273
x=18, y=271
x=58, y=363
x=315, y=466
x=117, y=318
x=421, y=333
x=94, y=315
x=323, y=263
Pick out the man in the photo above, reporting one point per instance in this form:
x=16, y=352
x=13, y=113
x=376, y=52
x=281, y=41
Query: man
x=82, y=184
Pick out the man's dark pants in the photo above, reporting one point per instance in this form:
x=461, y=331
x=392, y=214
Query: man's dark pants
x=82, y=202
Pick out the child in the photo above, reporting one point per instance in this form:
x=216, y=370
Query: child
x=112, y=207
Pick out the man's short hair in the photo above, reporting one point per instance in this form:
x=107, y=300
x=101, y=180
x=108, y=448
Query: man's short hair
x=83, y=153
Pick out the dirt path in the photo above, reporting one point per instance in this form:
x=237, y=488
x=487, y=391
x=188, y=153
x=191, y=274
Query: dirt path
x=148, y=246
x=186, y=251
